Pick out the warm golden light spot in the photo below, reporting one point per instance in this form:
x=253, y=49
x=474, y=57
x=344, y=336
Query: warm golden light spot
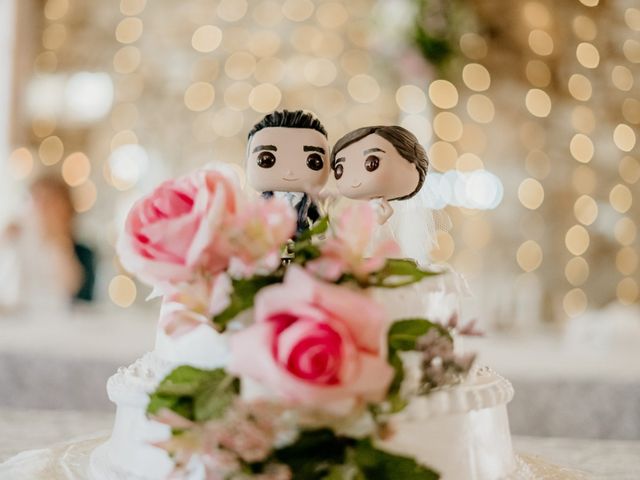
x=267, y=13
x=473, y=139
x=240, y=65
x=538, y=73
x=540, y=42
x=480, y=108
x=76, y=169
x=468, y=162
x=443, y=94
x=269, y=70
x=419, y=125
x=206, y=38
x=538, y=164
x=590, y=3
x=531, y=193
x=84, y=196
x=125, y=137
x=632, y=18
x=445, y=247
x=585, y=210
x=579, y=87
x=588, y=55
x=581, y=148
x=320, y=72
x=304, y=37
x=199, y=96
x=624, y=137
x=575, y=302
x=473, y=46
x=332, y=14
x=631, y=50
x=584, y=28
x=627, y=261
x=56, y=9
x=625, y=231
x=447, y=126
x=132, y=7
x=538, y=102
x=583, y=119
x=232, y=10
x=227, y=122
x=236, y=96
x=124, y=116
x=43, y=127
x=576, y=271
x=443, y=156
x=629, y=169
x=620, y=198
x=298, y=10
x=122, y=291
x=631, y=110
x=363, y=88
x=627, y=291
x=265, y=97
x=411, y=99
x=622, y=78
x=21, y=163
x=46, y=62
x=529, y=256
x=54, y=36
x=126, y=60
x=51, y=150
x=536, y=15
x=129, y=30
x=476, y=77
x=264, y=43
x=577, y=240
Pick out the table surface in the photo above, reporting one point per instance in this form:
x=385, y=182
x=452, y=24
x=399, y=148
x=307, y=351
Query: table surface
x=31, y=429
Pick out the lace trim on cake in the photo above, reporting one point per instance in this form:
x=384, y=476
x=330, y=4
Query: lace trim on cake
x=139, y=378
x=484, y=389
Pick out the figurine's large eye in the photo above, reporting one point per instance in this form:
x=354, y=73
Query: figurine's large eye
x=315, y=162
x=266, y=160
x=338, y=171
x=371, y=163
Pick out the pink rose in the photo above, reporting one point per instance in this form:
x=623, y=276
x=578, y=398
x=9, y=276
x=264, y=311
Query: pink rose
x=314, y=344
x=171, y=234
x=347, y=250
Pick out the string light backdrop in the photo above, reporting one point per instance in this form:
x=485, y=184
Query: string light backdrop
x=531, y=126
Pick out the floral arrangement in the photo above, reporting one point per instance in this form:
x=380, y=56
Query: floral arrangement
x=315, y=369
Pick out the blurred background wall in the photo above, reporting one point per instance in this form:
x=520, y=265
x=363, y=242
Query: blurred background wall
x=529, y=110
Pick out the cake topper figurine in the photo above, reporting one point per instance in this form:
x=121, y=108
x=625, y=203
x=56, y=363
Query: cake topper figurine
x=287, y=156
x=379, y=163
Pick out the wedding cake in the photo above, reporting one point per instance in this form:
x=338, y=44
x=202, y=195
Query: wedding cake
x=330, y=364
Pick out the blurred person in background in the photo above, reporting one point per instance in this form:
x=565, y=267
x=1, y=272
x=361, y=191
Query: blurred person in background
x=44, y=265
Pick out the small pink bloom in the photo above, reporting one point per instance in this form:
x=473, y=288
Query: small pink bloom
x=188, y=305
x=314, y=343
x=347, y=249
x=172, y=233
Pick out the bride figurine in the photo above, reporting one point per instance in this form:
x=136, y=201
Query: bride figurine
x=387, y=166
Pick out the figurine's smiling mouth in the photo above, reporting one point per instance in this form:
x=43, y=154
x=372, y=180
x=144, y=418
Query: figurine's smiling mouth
x=289, y=179
x=356, y=185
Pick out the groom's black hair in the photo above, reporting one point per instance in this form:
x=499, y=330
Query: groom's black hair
x=289, y=119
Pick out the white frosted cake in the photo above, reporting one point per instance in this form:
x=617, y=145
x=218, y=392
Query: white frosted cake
x=462, y=431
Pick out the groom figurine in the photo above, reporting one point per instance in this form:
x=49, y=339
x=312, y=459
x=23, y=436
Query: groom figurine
x=287, y=157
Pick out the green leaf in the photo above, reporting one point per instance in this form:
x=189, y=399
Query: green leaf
x=403, y=336
x=399, y=272
x=194, y=393
x=318, y=228
x=243, y=296
x=314, y=454
x=376, y=464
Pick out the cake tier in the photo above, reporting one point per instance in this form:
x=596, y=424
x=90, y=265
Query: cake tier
x=461, y=431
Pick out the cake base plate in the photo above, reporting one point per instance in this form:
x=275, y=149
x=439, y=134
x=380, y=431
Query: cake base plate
x=70, y=461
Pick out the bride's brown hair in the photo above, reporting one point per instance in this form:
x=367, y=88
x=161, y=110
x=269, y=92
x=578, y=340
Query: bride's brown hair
x=402, y=140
